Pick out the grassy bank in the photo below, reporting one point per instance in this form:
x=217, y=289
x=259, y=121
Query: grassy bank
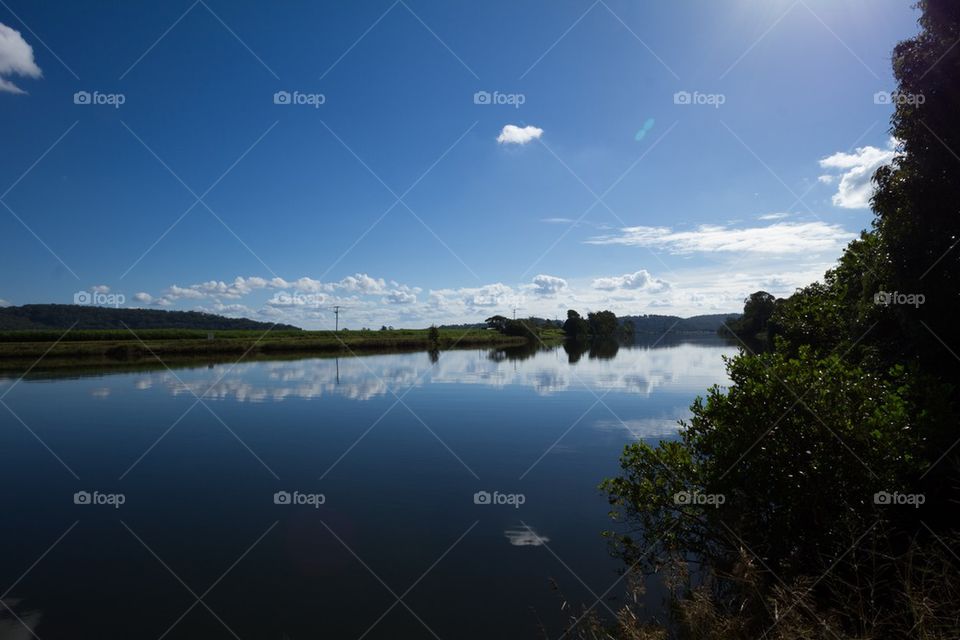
x=20, y=349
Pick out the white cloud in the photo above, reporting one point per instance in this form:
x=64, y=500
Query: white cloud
x=398, y=296
x=143, y=297
x=827, y=179
x=175, y=293
x=241, y=287
x=100, y=288
x=773, y=216
x=856, y=174
x=512, y=134
x=363, y=283
x=491, y=295
x=544, y=285
x=4, y=303
x=16, y=58
x=779, y=238
x=640, y=280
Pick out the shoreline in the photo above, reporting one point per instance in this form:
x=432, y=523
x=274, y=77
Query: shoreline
x=85, y=349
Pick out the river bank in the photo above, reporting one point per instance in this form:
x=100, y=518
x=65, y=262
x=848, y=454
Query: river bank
x=20, y=350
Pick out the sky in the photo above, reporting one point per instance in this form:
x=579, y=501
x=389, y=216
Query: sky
x=437, y=161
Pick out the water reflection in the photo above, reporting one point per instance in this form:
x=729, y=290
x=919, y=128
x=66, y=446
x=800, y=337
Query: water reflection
x=643, y=428
x=525, y=537
x=17, y=622
x=595, y=350
x=608, y=367
x=525, y=420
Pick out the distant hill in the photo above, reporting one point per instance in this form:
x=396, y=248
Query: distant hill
x=695, y=324
x=62, y=316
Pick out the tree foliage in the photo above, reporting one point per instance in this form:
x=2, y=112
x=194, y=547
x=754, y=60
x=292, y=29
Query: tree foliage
x=753, y=324
x=858, y=398
x=576, y=328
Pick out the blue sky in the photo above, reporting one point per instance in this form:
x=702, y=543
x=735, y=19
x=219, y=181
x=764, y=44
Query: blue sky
x=404, y=199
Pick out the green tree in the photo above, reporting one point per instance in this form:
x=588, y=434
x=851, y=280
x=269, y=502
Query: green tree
x=497, y=322
x=603, y=324
x=758, y=309
x=576, y=328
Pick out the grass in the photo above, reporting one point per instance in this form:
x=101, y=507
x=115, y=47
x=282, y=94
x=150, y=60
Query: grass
x=20, y=349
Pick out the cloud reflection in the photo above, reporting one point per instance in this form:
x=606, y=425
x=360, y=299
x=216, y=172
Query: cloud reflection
x=639, y=371
x=525, y=537
x=12, y=628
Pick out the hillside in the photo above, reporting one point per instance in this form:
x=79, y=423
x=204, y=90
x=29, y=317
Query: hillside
x=62, y=316
x=694, y=324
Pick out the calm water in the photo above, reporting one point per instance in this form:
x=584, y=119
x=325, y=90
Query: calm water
x=199, y=547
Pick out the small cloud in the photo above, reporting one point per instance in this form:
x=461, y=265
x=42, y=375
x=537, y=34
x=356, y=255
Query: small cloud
x=512, y=134
x=490, y=295
x=773, y=216
x=398, y=296
x=16, y=58
x=856, y=178
x=4, y=303
x=175, y=293
x=101, y=288
x=825, y=179
x=544, y=285
x=362, y=283
x=640, y=280
x=143, y=297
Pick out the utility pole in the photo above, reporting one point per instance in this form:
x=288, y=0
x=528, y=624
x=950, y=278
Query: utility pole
x=336, y=312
